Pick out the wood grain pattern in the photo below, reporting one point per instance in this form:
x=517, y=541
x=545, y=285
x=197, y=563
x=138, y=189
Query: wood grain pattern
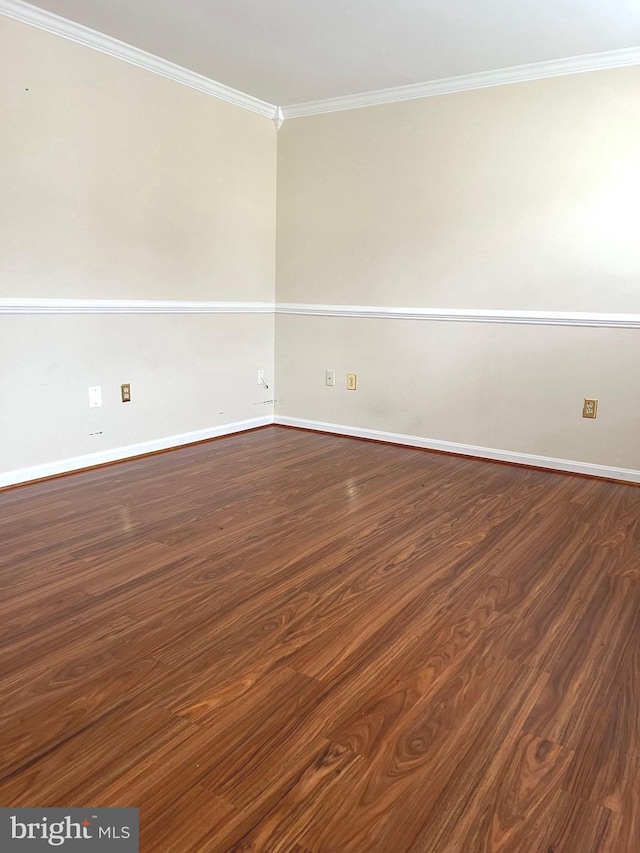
x=286, y=641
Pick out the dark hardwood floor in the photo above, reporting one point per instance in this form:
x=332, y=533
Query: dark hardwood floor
x=285, y=641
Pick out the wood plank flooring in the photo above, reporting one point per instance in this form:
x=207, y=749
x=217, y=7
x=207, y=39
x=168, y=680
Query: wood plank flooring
x=286, y=641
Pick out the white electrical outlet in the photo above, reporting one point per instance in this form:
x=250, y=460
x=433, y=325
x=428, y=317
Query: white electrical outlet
x=95, y=396
x=330, y=378
x=261, y=377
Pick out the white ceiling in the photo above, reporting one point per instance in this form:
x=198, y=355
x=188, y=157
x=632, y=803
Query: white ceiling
x=295, y=51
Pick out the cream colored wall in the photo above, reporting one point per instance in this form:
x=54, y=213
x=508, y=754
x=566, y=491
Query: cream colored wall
x=116, y=182
x=187, y=373
x=519, y=197
x=506, y=387
x=119, y=184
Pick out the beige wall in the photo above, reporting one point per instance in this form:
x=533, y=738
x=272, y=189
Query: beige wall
x=187, y=373
x=116, y=182
x=119, y=184
x=507, y=387
x=519, y=197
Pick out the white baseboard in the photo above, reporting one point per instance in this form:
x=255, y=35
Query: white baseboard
x=77, y=463
x=627, y=474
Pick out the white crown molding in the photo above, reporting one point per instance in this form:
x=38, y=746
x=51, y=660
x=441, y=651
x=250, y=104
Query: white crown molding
x=466, y=82
x=466, y=315
x=129, y=306
x=278, y=118
x=116, y=454
x=628, y=475
x=43, y=20
x=78, y=33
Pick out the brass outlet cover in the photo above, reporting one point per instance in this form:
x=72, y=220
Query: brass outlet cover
x=352, y=381
x=589, y=408
x=125, y=392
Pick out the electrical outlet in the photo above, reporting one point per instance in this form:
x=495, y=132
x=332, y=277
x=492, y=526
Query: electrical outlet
x=330, y=378
x=95, y=396
x=352, y=381
x=125, y=392
x=261, y=377
x=589, y=408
